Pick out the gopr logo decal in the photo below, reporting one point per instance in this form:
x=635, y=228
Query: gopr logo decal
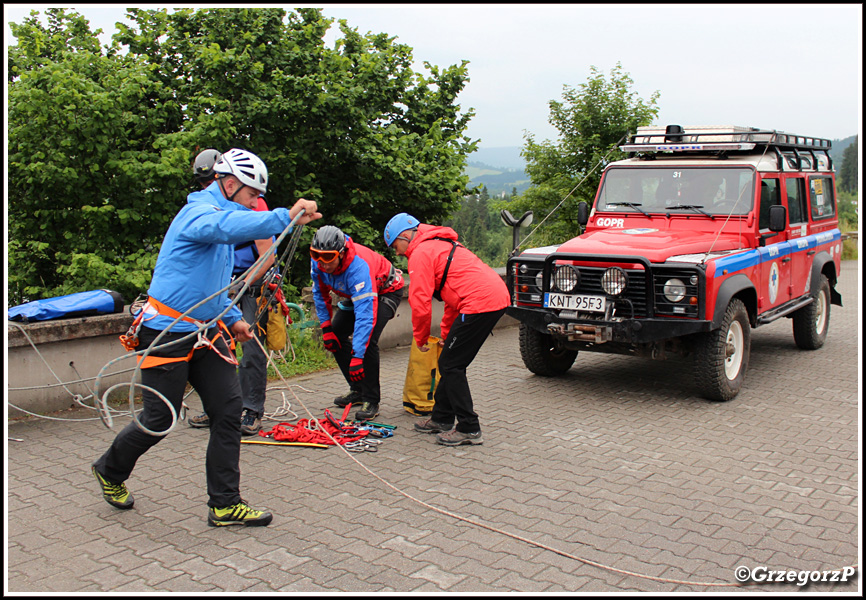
x=774, y=282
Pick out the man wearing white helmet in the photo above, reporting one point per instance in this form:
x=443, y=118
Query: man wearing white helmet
x=253, y=368
x=194, y=263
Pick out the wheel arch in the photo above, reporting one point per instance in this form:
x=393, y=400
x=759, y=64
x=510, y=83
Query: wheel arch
x=738, y=286
x=823, y=264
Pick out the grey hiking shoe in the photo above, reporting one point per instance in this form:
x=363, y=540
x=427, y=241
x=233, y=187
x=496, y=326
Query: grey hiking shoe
x=458, y=438
x=199, y=421
x=250, y=423
x=431, y=426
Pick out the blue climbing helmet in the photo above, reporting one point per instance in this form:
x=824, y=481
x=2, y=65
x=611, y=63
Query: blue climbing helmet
x=397, y=225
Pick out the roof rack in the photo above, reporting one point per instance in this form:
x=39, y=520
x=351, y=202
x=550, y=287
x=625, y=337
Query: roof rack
x=721, y=140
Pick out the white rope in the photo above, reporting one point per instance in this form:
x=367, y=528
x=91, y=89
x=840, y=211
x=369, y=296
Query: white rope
x=314, y=422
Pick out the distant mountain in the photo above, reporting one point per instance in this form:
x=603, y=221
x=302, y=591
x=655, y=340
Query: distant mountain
x=500, y=169
x=838, y=150
x=504, y=157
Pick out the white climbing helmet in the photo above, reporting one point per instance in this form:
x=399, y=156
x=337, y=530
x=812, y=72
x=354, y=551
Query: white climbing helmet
x=246, y=166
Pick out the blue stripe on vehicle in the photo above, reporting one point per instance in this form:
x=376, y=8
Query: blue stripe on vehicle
x=738, y=262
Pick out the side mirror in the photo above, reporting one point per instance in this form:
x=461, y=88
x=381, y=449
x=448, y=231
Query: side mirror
x=582, y=214
x=509, y=221
x=778, y=218
x=507, y=218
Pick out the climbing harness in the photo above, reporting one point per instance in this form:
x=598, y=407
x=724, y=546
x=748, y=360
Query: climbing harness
x=153, y=307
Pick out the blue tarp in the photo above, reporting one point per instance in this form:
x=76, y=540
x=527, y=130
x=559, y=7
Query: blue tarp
x=82, y=304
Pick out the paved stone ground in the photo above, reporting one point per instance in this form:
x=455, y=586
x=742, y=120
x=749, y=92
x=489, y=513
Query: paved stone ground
x=618, y=464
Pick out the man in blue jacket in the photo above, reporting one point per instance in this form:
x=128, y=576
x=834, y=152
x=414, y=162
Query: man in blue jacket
x=253, y=367
x=371, y=290
x=194, y=263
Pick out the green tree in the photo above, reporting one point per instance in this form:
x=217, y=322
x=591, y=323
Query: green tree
x=91, y=188
x=101, y=140
x=849, y=171
x=592, y=120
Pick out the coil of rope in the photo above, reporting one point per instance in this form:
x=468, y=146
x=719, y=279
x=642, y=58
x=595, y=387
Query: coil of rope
x=101, y=399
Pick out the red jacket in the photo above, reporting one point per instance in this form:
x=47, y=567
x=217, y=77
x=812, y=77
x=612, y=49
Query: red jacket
x=470, y=288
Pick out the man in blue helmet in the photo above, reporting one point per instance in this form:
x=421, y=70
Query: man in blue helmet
x=475, y=299
x=194, y=265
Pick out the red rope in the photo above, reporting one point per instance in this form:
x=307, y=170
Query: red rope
x=310, y=431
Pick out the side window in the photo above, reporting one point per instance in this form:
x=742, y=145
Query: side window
x=769, y=197
x=822, y=204
x=796, y=192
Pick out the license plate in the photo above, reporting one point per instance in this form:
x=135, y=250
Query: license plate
x=579, y=302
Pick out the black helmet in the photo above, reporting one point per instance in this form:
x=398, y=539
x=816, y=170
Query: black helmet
x=329, y=237
x=203, y=166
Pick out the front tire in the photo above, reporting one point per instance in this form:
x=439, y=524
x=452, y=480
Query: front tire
x=812, y=322
x=541, y=355
x=722, y=355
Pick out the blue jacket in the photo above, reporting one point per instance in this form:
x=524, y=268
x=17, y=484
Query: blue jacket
x=362, y=276
x=197, y=255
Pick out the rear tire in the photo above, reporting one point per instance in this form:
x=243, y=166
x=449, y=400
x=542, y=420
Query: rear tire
x=812, y=322
x=722, y=355
x=541, y=355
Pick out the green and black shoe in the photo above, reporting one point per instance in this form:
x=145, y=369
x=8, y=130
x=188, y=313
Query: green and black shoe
x=367, y=412
x=238, y=514
x=115, y=494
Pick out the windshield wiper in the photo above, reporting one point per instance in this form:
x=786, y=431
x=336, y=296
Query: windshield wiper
x=634, y=205
x=693, y=207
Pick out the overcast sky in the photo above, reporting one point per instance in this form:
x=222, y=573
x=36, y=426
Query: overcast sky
x=790, y=67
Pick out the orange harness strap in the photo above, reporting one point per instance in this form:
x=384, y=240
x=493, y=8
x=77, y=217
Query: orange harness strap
x=130, y=340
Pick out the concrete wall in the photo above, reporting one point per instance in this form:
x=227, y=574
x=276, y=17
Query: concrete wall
x=74, y=349
x=77, y=349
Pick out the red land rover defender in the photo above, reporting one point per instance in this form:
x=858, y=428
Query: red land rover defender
x=701, y=234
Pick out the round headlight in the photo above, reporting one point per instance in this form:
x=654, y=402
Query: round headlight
x=566, y=278
x=614, y=281
x=539, y=279
x=523, y=269
x=674, y=290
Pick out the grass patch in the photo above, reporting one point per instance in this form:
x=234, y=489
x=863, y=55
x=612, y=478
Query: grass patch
x=303, y=354
x=849, y=246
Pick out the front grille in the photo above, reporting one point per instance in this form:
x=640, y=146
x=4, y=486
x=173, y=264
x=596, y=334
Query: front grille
x=631, y=304
x=527, y=289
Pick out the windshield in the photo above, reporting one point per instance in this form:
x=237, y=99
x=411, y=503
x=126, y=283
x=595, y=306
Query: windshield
x=713, y=190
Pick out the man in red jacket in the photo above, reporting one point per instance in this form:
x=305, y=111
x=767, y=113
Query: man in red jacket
x=475, y=298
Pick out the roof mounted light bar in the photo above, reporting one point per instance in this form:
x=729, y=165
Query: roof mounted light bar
x=674, y=138
x=708, y=147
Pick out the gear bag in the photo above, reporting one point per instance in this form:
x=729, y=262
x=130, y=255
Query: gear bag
x=422, y=377
x=276, y=337
x=82, y=304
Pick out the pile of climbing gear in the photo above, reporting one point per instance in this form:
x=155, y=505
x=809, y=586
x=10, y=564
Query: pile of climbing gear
x=328, y=431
